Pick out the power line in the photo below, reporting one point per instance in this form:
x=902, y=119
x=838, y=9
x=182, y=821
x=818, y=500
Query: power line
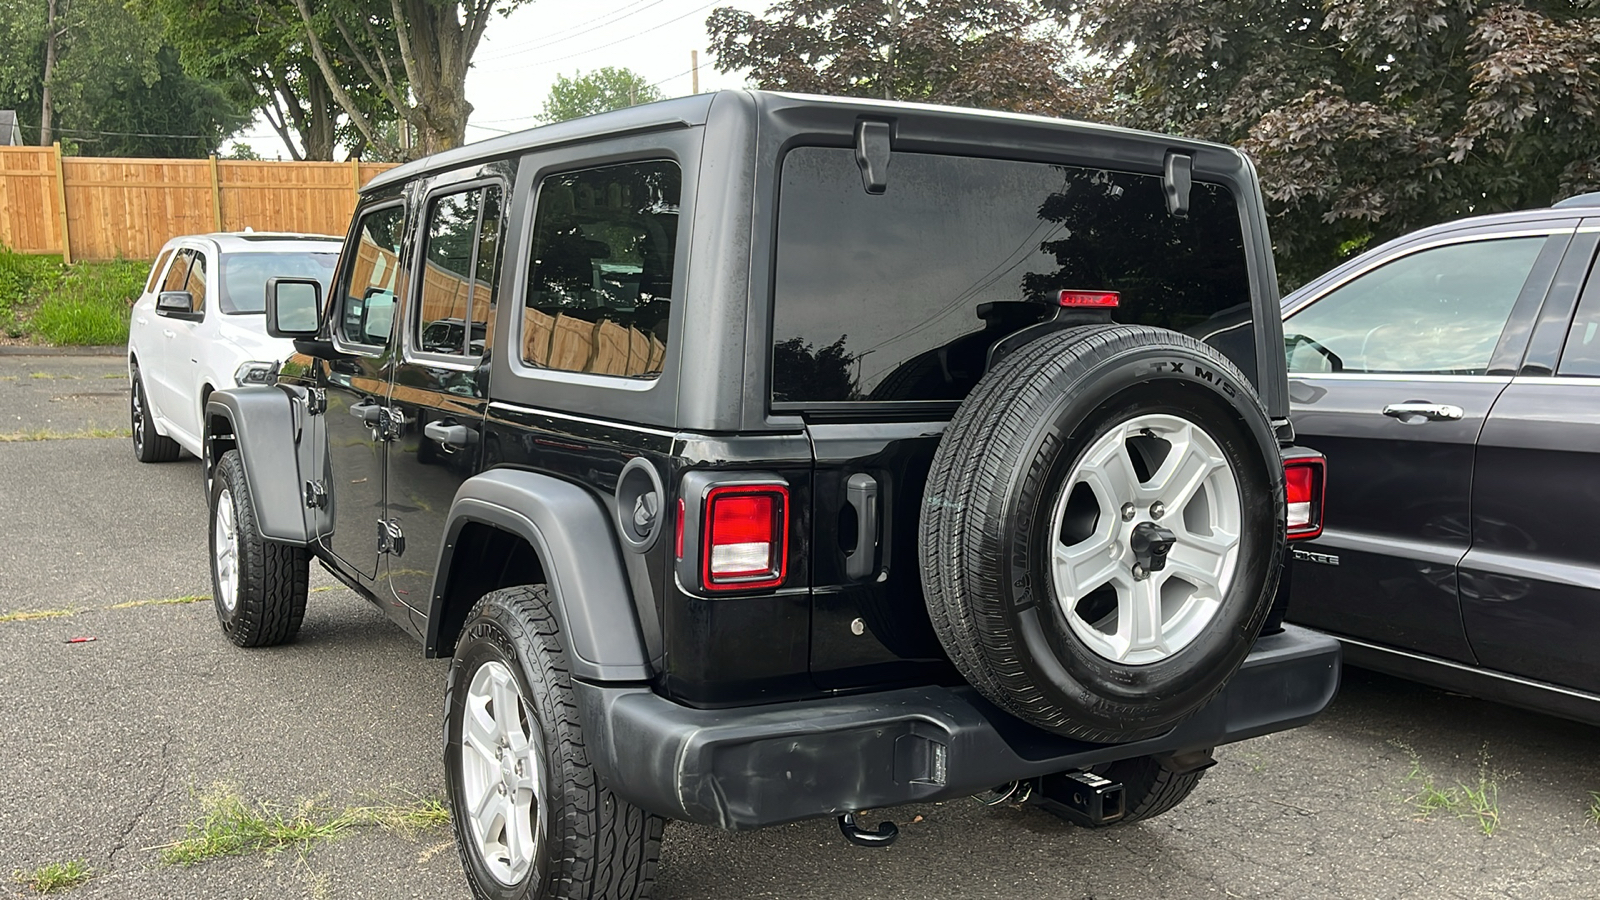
x=143, y=134
x=568, y=34
x=545, y=62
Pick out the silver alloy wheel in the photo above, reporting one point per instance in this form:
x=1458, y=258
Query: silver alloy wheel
x=138, y=415
x=225, y=547
x=501, y=779
x=1166, y=471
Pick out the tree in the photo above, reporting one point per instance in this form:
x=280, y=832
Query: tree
x=1369, y=118
x=423, y=77
x=258, y=47
x=114, y=87
x=602, y=90
x=995, y=54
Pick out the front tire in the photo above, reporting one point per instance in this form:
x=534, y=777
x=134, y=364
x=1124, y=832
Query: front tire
x=532, y=820
x=257, y=585
x=149, y=445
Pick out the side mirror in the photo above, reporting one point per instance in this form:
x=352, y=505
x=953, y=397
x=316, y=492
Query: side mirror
x=294, y=307
x=176, y=305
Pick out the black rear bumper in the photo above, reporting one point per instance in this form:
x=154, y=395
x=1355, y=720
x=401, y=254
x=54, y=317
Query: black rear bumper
x=756, y=766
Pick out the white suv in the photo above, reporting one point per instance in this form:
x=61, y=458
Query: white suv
x=198, y=327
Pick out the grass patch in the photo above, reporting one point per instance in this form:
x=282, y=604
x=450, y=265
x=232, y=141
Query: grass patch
x=84, y=303
x=232, y=826
x=45, y=434
x=57, y=876
x=28, y=615
x=1594, y=807
x=161, y=601
x=1479, y=802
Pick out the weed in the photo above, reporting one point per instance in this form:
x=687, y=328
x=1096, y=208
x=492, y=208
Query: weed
x=30, y=614
x=1480, y=802
x=231, y=825
x=1594, y=807
x=48, y=879
x=161, y=601
x=120, y=376
x=45, y=434
x=40, y=375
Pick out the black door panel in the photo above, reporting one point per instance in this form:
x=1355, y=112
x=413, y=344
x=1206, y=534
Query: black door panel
x=869, y=621
x=356, y=388
x=1397, y=507
x=1530, y=587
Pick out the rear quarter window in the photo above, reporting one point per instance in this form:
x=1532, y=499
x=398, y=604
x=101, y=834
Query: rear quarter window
x=897, y=297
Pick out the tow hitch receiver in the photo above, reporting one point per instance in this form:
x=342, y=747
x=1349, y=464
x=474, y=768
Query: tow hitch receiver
x=1082, y=797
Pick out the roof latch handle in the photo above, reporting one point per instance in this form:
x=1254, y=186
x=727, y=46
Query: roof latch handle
x=1176, y=179
x=872, y=155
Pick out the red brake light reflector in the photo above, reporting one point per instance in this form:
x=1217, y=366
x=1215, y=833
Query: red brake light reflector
x=1304, y=479
x=1089, y=299
x=746, y=542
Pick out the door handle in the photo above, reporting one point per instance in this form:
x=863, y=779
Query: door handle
x=1433, y=412
x=861, y=492
x=142, y=320
x=370, y=413
x=451, y=435
x=168, y=332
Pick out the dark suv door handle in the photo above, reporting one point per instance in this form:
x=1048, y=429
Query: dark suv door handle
x=370, y=413
x=861, y=492
x=1433, y=412
x=454, y=435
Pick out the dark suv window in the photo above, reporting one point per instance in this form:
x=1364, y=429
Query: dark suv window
x=371, y=277
x=600, y=285
x=458, y=278
x=897, y=297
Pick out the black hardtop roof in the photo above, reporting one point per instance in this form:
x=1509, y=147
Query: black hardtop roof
x=685, y=112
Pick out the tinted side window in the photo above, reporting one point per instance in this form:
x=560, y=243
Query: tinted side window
x=1438, y=311
x=371, y=278
x=179, y=271
x=898, y=296
x=458, y=278
x=157, y=269
x=1581, y=356
x=600, y=281
x=196, y=284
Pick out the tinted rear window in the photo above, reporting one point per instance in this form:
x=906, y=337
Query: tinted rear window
x=896, y=297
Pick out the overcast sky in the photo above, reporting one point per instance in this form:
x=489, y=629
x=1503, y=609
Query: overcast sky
x=522, y=54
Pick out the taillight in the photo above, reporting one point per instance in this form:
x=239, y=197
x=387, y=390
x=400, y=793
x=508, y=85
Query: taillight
x=746, y=537
x=1305, y=477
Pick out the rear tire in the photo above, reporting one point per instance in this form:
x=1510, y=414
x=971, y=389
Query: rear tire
x=258, y=586
x=1059, y=464
x=149, y=445
x=532, y=820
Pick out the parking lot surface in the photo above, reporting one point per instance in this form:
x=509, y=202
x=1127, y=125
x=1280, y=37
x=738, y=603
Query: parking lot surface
x=108, y=748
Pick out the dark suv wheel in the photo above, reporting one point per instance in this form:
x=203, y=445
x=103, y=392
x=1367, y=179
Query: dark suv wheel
x=531, y=819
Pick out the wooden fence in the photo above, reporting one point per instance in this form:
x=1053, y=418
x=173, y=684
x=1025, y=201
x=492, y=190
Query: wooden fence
x=92, y=208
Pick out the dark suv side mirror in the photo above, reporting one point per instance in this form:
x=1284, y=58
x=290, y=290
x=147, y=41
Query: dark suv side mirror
x=176, y=305
x=294, y=307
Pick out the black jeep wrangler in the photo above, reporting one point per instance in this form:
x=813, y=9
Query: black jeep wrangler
x=761, y=457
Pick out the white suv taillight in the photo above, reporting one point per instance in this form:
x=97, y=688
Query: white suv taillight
x=746, y=538
x=1305, y=476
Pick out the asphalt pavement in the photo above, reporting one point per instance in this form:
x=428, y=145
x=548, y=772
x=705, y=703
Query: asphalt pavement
x=108, y=748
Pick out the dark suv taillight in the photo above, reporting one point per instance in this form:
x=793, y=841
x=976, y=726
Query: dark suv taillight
x=732, y=532
x=1305, y=477
x=746, y=542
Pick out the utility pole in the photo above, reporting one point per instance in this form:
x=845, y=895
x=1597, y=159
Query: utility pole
x=46, y=101
x=694, y=69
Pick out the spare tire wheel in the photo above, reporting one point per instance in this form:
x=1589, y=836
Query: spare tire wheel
x=1102, y=529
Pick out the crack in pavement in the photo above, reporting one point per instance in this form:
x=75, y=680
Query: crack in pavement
x=161, y=788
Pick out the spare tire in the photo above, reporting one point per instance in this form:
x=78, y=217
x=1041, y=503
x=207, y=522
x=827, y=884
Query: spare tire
x=1102, y=530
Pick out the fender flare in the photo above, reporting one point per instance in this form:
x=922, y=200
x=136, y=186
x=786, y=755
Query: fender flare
x=265, y=432
x=571, y=533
